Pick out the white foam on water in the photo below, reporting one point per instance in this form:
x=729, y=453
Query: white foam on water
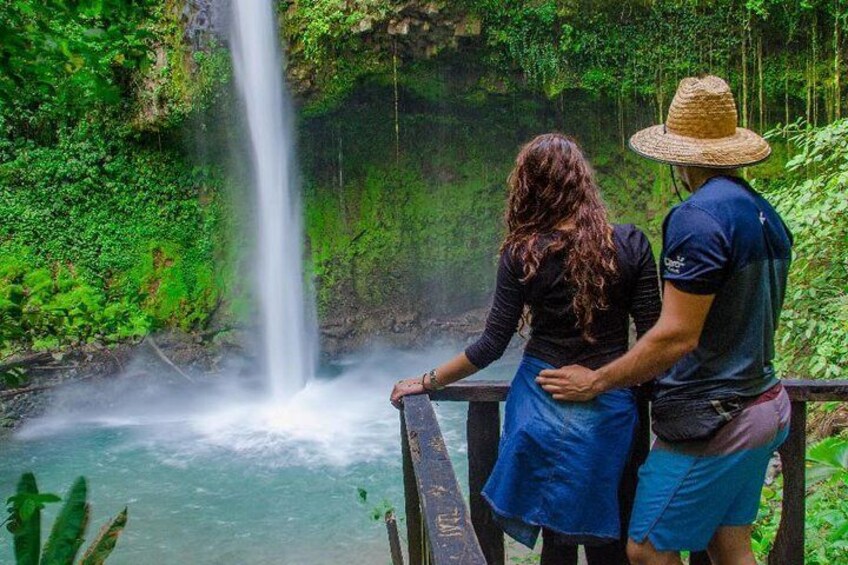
x=335, y=421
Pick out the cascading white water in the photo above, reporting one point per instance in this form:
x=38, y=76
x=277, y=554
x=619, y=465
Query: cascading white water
x=289, y=338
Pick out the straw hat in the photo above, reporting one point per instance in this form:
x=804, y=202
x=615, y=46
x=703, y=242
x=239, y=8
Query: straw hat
x=700, y=130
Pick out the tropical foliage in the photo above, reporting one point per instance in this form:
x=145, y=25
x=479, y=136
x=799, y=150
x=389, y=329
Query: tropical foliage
x=813, y=199
x=59, y=58
x=826, y=526
x=116, y=220
x=109, y=229
x=784, y=57
x=113, y=226
x=103, y=239
x=68, y=532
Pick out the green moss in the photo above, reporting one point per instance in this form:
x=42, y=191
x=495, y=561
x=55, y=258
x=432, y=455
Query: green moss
x=181, y=79
x=124, y=232
x=421, y=230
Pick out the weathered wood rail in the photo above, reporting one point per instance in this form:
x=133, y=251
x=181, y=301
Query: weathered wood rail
x=441, y=529
x=432, y=489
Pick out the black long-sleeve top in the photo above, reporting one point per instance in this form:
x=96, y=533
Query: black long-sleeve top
x=555, y=336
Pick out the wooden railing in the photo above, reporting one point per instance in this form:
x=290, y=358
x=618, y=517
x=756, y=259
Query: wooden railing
x=441, y=529
x=435, y=510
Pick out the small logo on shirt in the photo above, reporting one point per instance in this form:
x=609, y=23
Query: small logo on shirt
x=762, y=218
x=674, y=265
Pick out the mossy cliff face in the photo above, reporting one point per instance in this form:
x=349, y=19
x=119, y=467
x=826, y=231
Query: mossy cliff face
x=411, y=218
x=115, y=218
x=124, y=211
x=784, y=59
x=332, y=44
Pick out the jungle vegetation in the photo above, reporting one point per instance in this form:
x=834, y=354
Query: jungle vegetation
x=122, y=207
x=115, y=109
x=119, y=211
x=410, y=115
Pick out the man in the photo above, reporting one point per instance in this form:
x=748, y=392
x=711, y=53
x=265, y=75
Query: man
x=718, y=403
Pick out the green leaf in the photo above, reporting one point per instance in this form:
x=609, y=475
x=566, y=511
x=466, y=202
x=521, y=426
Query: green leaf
x=832, y=451
x=27, y=509
x=68, y=530
x=27, y=529
x=94, y=32
x=105, y=541
x=827, y=458
x=362, y=494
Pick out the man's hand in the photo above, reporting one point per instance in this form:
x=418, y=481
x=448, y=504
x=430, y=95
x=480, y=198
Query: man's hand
x=573, y=383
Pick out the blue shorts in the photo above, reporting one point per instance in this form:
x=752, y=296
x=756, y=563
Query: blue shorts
x=688, y=490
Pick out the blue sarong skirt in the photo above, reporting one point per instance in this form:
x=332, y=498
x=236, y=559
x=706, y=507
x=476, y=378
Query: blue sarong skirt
x=560, y=463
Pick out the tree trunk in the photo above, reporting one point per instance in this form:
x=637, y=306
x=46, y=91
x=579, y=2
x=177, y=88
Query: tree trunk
x=621, y=117
x=745, y=70
x=659, y=96
x=342, y=204
x=809, y=74
x=24, y=361
x=786, y=91
x=760, y=92
x=710, y=55
x=815, y=69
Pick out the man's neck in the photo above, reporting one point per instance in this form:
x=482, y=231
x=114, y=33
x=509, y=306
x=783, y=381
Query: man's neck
x=699, y=176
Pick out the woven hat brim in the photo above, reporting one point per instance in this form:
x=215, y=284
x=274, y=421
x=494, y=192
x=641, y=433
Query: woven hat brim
x=742, y=149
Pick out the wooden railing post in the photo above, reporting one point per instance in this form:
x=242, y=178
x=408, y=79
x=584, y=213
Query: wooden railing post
x=414, y=537
x=394, y=538
x=483, y=430
x=450, y=537
x=789, y=542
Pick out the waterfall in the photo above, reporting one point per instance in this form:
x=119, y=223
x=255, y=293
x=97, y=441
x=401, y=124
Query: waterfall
x=288, y=335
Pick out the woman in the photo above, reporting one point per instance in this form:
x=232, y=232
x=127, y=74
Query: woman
x=575, y=279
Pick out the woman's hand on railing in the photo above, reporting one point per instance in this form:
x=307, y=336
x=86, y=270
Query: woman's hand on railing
x=404, y=387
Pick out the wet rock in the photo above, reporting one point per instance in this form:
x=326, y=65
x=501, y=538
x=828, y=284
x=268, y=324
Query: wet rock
x=469, y=26
x=398, y=328
x=406, y=322
x=432, y=8
x=364, y=25
x=338, y=330
x=203, y=19
x=229, y=352
x=234, y=339
x=399, y=27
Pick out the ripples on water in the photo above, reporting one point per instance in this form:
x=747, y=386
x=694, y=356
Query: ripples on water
x=224, y=476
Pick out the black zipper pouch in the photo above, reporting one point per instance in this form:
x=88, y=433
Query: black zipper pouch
x=691, y=419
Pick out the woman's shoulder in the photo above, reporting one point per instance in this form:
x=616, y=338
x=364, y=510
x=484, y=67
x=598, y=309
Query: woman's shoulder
x=509, y=260
x=626, y=233
x=631, y=241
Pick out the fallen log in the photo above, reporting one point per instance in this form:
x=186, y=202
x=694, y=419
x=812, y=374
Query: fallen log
x=12, y=392
x=25, y=361
x=166, y=360
x=23, y=390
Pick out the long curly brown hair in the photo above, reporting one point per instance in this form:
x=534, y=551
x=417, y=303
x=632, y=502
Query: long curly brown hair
x=554, y=203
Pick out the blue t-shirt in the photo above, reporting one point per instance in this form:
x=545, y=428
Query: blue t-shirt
x=728, y=241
